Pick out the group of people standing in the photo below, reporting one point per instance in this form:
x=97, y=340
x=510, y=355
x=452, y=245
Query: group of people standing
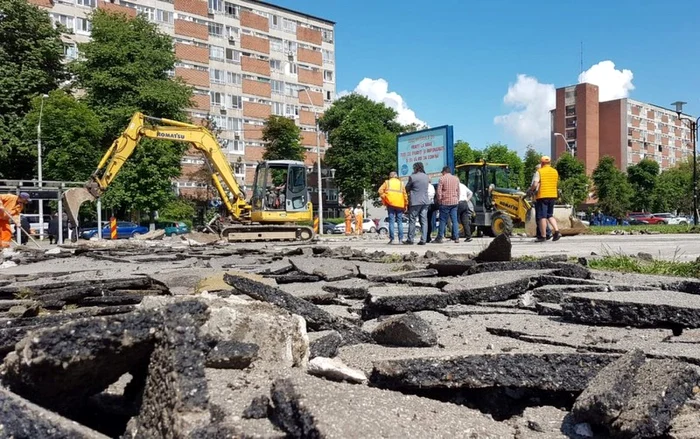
x=422, y=201
x=355, y=215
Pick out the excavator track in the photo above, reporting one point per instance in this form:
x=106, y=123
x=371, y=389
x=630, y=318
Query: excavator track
x=266, y=233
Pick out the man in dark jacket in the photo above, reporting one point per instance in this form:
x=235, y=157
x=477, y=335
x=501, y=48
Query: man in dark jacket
x=417, y=188
x=24, y=223
x=53, y=229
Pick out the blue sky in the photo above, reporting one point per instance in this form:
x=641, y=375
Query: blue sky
x=453, y=61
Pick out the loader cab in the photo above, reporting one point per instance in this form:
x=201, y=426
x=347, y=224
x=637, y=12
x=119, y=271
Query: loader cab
x=479, y=177
x=280, y=192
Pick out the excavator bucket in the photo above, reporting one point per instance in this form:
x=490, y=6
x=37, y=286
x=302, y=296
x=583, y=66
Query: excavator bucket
x=568, y=224
x=73, y=199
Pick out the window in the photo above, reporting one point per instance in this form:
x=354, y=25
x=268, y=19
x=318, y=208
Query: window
x=570, y=110
x=661, y=148
x=164, y=16
x=327, y=35
x=149, y=13
x=230, y=10
x=238, y=168
x=233, y=56
x=570, y=94
x=70, y=51
x=328, y=56
x=274, y=22
x=328, y=76
x=276, y=65
x=328, y=96
x=570, y=134
x=216, y=97
x=291, y=90
x=289, y=26
x=276, y=86
x=215, y=29
x=276, y=44
x=291, y=110
x=86, y=3
x=216, y=5
x=216, y=53
x=232, y=32
x=233, y=101
x=216, y=76
x=65, y=20
x=290, y=47
x=291, y=68
x=278, y=108
x=233, y=78
x=82, y=26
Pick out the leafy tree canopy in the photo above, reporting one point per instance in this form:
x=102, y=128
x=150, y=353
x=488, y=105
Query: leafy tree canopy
x=532, y=159
x=463, y=153
x=642, y=177
x=30, y=65
x=569, y=166
x=613, y=191
x=282, y=139
x=499, y=153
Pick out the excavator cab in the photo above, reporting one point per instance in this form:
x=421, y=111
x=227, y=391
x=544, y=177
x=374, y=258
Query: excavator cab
x=280, y=193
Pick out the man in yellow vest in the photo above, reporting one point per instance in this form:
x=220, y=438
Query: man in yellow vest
x=394, y=197
x=544, y=184
x=348, y=220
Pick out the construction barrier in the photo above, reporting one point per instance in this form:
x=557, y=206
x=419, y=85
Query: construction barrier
x=113, y=228
x=316, y=225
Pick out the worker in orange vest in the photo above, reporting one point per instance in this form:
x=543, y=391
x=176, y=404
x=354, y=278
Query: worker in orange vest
x=359, y=214
x=12, y=206
x=348, y=220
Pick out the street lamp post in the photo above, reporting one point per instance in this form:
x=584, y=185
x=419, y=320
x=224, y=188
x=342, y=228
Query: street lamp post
x=318, y=162
x=39, y=166
x=566, y=143
x=693, y=125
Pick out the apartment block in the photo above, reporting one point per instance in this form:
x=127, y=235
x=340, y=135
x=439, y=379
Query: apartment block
x=625, y=129
x=245, y=59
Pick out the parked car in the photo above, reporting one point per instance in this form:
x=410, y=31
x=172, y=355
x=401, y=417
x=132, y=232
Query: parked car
x=329, y=228
x=367, y=226
x=125, y=229
x=172, y=228
x=384, y=225
x=645, y=218
x=671, y=219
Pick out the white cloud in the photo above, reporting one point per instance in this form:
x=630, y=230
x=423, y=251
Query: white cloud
x=530, y=100
x=612, y=83
x=378, y=91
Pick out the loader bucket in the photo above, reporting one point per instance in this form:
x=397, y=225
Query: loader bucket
x=73, y=199
x=568, y=224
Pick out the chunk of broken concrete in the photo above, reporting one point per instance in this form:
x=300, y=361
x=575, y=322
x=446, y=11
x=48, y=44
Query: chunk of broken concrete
x=258, y=408
x=609, y=391
x=351, y=288
x=669, y=309
x=498, y=250
x=485, y=287
x=401, y=299
x=232, y=355
x=452, y=267
x=20, y=418
x=327, y=269
x=324, y=344
x=406, y=330
x=548, y=371
x=335, y=369
x=398, y=276
x=309, y=407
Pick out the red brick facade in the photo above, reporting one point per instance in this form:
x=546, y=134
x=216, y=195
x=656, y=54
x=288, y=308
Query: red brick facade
x=313, y=77
x=201, y=102
x=253, y=65
x=254, y=21
x=191, y=29
x=309, y=35
x=256, y=110
x=253, y=132
x=42, y=3
x=257, y=44
x=310, y=56
x=307, y=117
x=193, y=77
x=257, y=88
x=116, y=9
x=254, y=153
x=317, y=97
x=189, y=52
x=308, y=138
x=197, y=7
x=613, y=131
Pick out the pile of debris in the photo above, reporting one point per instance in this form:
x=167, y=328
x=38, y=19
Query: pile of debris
x=312, y=342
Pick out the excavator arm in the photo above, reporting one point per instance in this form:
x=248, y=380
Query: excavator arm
x=158, y=128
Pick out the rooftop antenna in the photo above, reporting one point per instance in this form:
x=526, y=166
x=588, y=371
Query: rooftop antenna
x=581, y=56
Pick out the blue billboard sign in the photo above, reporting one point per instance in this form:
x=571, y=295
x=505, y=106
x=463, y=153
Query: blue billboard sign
x=433, y=147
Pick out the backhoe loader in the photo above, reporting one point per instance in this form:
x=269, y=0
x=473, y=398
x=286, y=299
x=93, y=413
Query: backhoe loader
x=280, y=197
x=498, y=207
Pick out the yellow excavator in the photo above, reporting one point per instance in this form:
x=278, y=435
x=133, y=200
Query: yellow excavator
x=497, y=207
x=280, y=195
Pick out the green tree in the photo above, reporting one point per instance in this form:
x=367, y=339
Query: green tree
x=178, y=209
x=575, y=190
x=463, y=153
x=673, y=189
x=70, y=134
x=569, y=166
x=31, y=52
x=532, y=159
x=611, y=188
x=124, y=69
x=282, y=139
x=363, y=135
x=642, y=177
x=499, y=153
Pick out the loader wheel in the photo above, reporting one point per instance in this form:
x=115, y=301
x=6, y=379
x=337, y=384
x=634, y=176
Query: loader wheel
x=500, y=224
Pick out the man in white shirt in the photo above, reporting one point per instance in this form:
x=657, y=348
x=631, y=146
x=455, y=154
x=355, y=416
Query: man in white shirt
x=465, y=209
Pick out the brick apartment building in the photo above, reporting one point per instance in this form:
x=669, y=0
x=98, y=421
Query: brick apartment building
x=625, y=129
x=246, y=60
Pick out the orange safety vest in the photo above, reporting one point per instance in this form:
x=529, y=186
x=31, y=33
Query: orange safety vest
x=394, y=194
x=549, y=178
x=348, y=214
x=11, y=207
